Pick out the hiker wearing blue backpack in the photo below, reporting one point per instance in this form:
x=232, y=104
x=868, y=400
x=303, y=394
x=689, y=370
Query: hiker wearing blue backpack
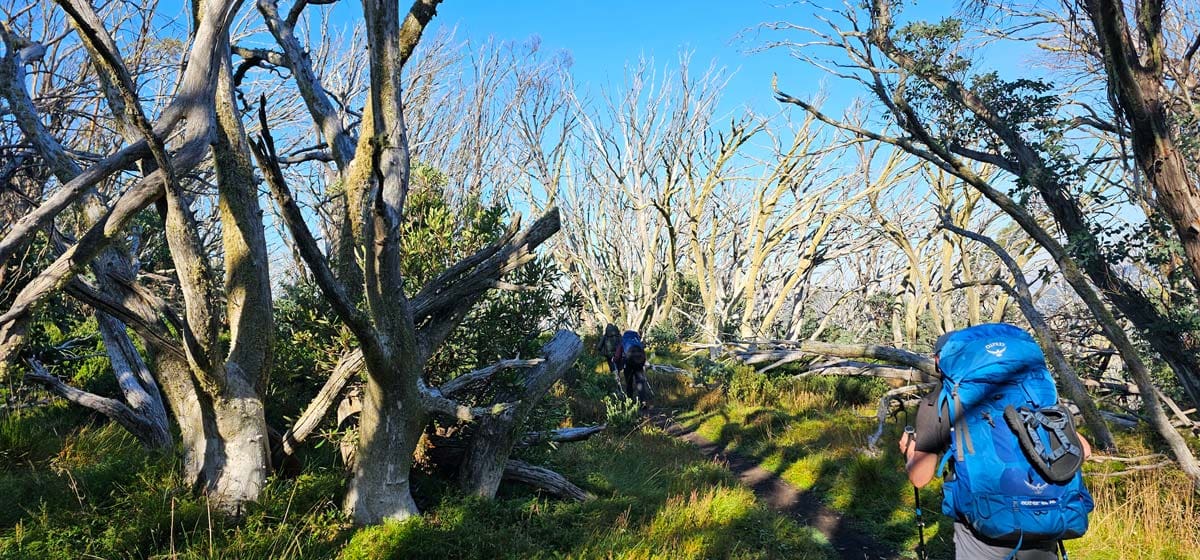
x=631, y=360
x=1012, y=458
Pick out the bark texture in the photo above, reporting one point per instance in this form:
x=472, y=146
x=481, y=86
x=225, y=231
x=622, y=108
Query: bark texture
x=495, y=435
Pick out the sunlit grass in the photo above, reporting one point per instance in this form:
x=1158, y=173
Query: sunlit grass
x=657, y=499
x=815, y=443
x=95, y=492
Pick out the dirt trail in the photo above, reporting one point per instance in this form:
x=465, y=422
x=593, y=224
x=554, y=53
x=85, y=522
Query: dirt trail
x=805, y=507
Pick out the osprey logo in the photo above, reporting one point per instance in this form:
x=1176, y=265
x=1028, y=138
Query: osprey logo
x=996, y=348
x=1036, y=488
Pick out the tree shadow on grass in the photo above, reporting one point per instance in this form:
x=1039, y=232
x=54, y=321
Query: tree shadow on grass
x=864, y=503
x=657, y=498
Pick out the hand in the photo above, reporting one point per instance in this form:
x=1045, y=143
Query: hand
x=907, y=443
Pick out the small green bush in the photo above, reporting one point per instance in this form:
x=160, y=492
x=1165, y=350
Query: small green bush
x=751, y=388
x=621, y=413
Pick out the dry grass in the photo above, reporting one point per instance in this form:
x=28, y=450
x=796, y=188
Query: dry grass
x=1153, y=514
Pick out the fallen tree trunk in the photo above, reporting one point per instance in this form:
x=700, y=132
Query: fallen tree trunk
x=791, y=351
x=494, y=436
x=544, y=479
x=851, y=368
x=562, y=435
x=350, y=364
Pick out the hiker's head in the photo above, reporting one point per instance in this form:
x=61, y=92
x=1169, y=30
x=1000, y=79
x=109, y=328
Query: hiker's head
x=937, y=349
x=611, y=330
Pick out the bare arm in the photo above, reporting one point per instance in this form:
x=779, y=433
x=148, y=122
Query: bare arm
x=921, y=466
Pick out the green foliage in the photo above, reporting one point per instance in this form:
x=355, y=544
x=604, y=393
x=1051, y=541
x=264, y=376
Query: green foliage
x=621, y=413
x=711, y=372
x=309, y=339
x=848, y=391
x=663, y=336
x=657, y=498
x=934, y=46
x=749, y=387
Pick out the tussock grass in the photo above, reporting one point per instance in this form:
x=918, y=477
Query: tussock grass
x=1152, y=514
x=79, y=490
x=657, y=499
x=812, y=435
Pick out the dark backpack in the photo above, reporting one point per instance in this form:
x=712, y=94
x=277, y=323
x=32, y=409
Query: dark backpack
x=633, y=351
x=1014, y=453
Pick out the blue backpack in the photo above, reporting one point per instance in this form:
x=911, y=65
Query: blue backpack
x=1014, y=455
x=633, y=351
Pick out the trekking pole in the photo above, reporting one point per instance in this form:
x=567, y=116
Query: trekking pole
x=917, y=499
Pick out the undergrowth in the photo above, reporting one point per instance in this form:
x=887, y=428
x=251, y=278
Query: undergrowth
x=77, y=487
x=812, y=432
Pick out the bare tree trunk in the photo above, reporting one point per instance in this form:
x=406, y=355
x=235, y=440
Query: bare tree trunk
x=389, y=428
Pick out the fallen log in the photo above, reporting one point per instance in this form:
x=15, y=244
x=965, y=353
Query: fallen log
x=795, y=351
x=851, y=368
x=349, y=365
x=544, y=479
x=562, y=435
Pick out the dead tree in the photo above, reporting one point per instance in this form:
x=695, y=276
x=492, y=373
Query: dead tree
x=396, y=332
x=877, y=46
x=210, y=375
x=495, y=435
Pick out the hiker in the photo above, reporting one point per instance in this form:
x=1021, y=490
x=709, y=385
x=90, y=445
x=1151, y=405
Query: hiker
x=609, y=344
x=1012, y=463
x=631, y=360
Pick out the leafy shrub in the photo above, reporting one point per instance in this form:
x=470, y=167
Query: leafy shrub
x=621, y=413
x=709, y=372
x=749, y=387
x=663, y=336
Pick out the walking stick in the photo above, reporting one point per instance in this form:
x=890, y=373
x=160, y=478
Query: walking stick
x=917, y=499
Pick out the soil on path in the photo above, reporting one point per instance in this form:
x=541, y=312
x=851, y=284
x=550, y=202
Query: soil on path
x=849, y=540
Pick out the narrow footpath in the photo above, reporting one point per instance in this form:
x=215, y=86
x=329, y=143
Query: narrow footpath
x=805, y=507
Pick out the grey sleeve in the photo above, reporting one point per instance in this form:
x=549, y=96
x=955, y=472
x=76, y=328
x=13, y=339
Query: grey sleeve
x=932, y=430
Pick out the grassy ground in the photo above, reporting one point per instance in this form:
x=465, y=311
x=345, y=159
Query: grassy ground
x=74, y=487
x=812, y=434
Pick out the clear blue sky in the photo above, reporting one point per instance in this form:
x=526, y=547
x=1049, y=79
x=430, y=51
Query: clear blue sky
x=603, y=35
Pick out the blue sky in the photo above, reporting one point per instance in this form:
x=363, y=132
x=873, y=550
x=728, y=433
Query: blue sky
x=602, y=36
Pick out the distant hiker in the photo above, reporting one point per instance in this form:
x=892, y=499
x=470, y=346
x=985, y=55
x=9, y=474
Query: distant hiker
x=1012, y=456
x=631, y=360
x=609, y=344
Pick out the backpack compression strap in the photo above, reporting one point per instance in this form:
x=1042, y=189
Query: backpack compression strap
x=1058, y=461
